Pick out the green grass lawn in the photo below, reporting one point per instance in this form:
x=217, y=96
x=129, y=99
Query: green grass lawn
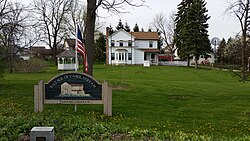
x=160, y=102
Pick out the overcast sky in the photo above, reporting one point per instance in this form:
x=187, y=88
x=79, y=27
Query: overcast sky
x=220, y=24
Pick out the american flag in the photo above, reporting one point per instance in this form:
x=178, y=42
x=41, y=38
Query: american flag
x=81, y=48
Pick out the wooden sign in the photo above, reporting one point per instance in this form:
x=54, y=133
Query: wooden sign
x=73, y=88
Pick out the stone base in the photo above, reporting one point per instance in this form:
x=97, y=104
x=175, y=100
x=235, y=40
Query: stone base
x=42, y=134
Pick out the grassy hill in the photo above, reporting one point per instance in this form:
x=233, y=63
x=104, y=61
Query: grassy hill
x=158, y=103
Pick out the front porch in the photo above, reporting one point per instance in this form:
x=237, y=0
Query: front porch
x=151, y=57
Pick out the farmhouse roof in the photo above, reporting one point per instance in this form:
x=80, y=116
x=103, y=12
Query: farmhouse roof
x=38, y=49
x=145, y=35
x=140, y=35
x=41, y=50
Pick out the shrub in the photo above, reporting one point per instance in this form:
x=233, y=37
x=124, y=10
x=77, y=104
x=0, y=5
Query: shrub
x=32, y=65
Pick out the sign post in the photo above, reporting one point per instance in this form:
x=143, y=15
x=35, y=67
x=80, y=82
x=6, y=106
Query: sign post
x=73, y=88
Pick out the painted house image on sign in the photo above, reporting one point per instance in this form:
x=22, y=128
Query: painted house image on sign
x=75, y=90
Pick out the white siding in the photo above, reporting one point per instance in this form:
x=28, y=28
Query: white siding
x=116, y=37
x=125, y=50
x=201, y=59
x=138, y=57
x=24, y=57
x=116, y=51
x=145, y=44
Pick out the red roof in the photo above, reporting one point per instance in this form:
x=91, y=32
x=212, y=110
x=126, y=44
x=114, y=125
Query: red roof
x=145, y=35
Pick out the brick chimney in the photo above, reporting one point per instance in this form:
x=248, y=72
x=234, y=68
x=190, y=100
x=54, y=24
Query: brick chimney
x=107, y=45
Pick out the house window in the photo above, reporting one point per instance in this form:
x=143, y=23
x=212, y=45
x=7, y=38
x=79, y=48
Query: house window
x=121, y=56
x=112, y=43
x=130, y=43
x=121, y=43
x=112, y=56
x=150, y=43
x=129, y=56
x=116, y=56
x=152, y=56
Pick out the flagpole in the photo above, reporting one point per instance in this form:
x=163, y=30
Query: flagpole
x=76, y=59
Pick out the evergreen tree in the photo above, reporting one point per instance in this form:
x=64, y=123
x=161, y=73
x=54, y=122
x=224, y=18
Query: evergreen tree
x=120, y=25
x=127, y=28
x=142, y=30
x=136, y=28
x=111, y=31
x=221, y=52
x=191, y=29
x=100, y=49
x=181, y=22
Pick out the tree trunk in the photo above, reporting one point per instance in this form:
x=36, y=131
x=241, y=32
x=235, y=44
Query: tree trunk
x=244, y=72
x=55, y=59
x=10, y=56
x=10, y=63
x=196, y=63
x=89, y=30
x=188, y=61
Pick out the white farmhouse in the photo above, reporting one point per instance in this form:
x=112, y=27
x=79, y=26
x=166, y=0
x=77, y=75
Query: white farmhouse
x=131, y=48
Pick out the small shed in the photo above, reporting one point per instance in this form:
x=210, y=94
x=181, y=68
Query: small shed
x=66, y=60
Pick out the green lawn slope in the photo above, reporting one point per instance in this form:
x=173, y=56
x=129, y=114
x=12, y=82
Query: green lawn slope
x=155, y=103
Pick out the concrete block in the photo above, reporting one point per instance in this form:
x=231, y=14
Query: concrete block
x=42, y=134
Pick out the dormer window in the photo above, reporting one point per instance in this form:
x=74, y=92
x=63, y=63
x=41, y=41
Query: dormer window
x=130, y=43
x=121, y=43
x=150, y=43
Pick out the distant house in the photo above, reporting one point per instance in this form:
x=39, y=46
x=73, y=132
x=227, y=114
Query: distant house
x=131, y=47
x=69, y=44
x=204, y=60
x=18, y=52
x=168, y=53
x=24, y=54
x=43, y=52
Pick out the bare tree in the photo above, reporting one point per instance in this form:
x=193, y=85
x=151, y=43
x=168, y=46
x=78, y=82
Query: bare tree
x=12, y=27
x=52, y=21
x=241, y=9
x=166, y=27
x=114, y=6
x=77, y=15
